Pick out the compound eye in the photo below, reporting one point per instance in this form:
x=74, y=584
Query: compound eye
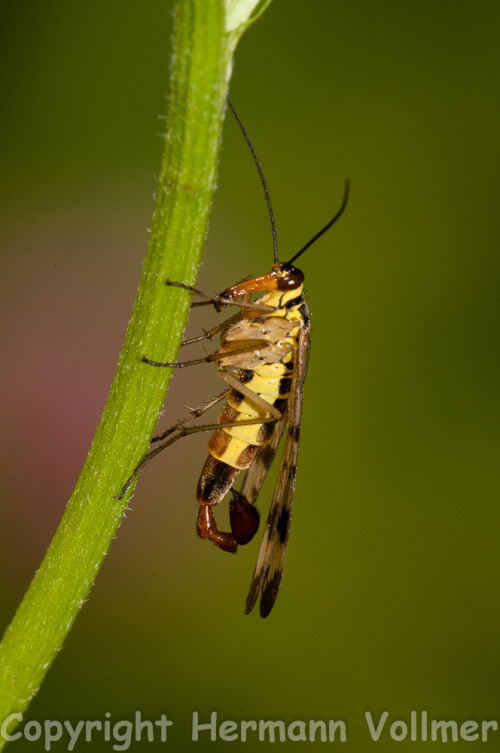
x=290, y=279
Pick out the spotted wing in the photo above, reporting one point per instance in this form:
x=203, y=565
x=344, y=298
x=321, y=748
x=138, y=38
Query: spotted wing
x=271, y=560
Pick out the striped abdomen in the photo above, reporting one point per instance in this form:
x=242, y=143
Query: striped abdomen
x=265, y=371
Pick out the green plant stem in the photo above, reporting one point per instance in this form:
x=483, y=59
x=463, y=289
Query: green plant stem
x=201, y=63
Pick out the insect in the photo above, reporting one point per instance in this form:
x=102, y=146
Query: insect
x=263, y=356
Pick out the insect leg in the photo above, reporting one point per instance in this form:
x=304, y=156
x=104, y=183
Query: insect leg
x=219, y=301
x=195, y=413
x=215, y=356
x=224, y=325
x=182, y=431
x=151, y=455
x=211, y=332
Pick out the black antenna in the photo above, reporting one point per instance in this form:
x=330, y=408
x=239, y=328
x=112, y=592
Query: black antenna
x=327, y=226
x=262, y=179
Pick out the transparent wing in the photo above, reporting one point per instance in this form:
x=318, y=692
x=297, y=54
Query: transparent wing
x=271, y=560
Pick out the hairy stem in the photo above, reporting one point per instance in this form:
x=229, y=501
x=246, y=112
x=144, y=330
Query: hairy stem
x=204, y=42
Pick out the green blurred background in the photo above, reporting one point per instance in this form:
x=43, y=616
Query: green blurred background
x=391, y=595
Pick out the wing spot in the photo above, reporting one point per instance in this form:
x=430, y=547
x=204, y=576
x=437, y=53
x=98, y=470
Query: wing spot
x=267, y=454
x=283, y=525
